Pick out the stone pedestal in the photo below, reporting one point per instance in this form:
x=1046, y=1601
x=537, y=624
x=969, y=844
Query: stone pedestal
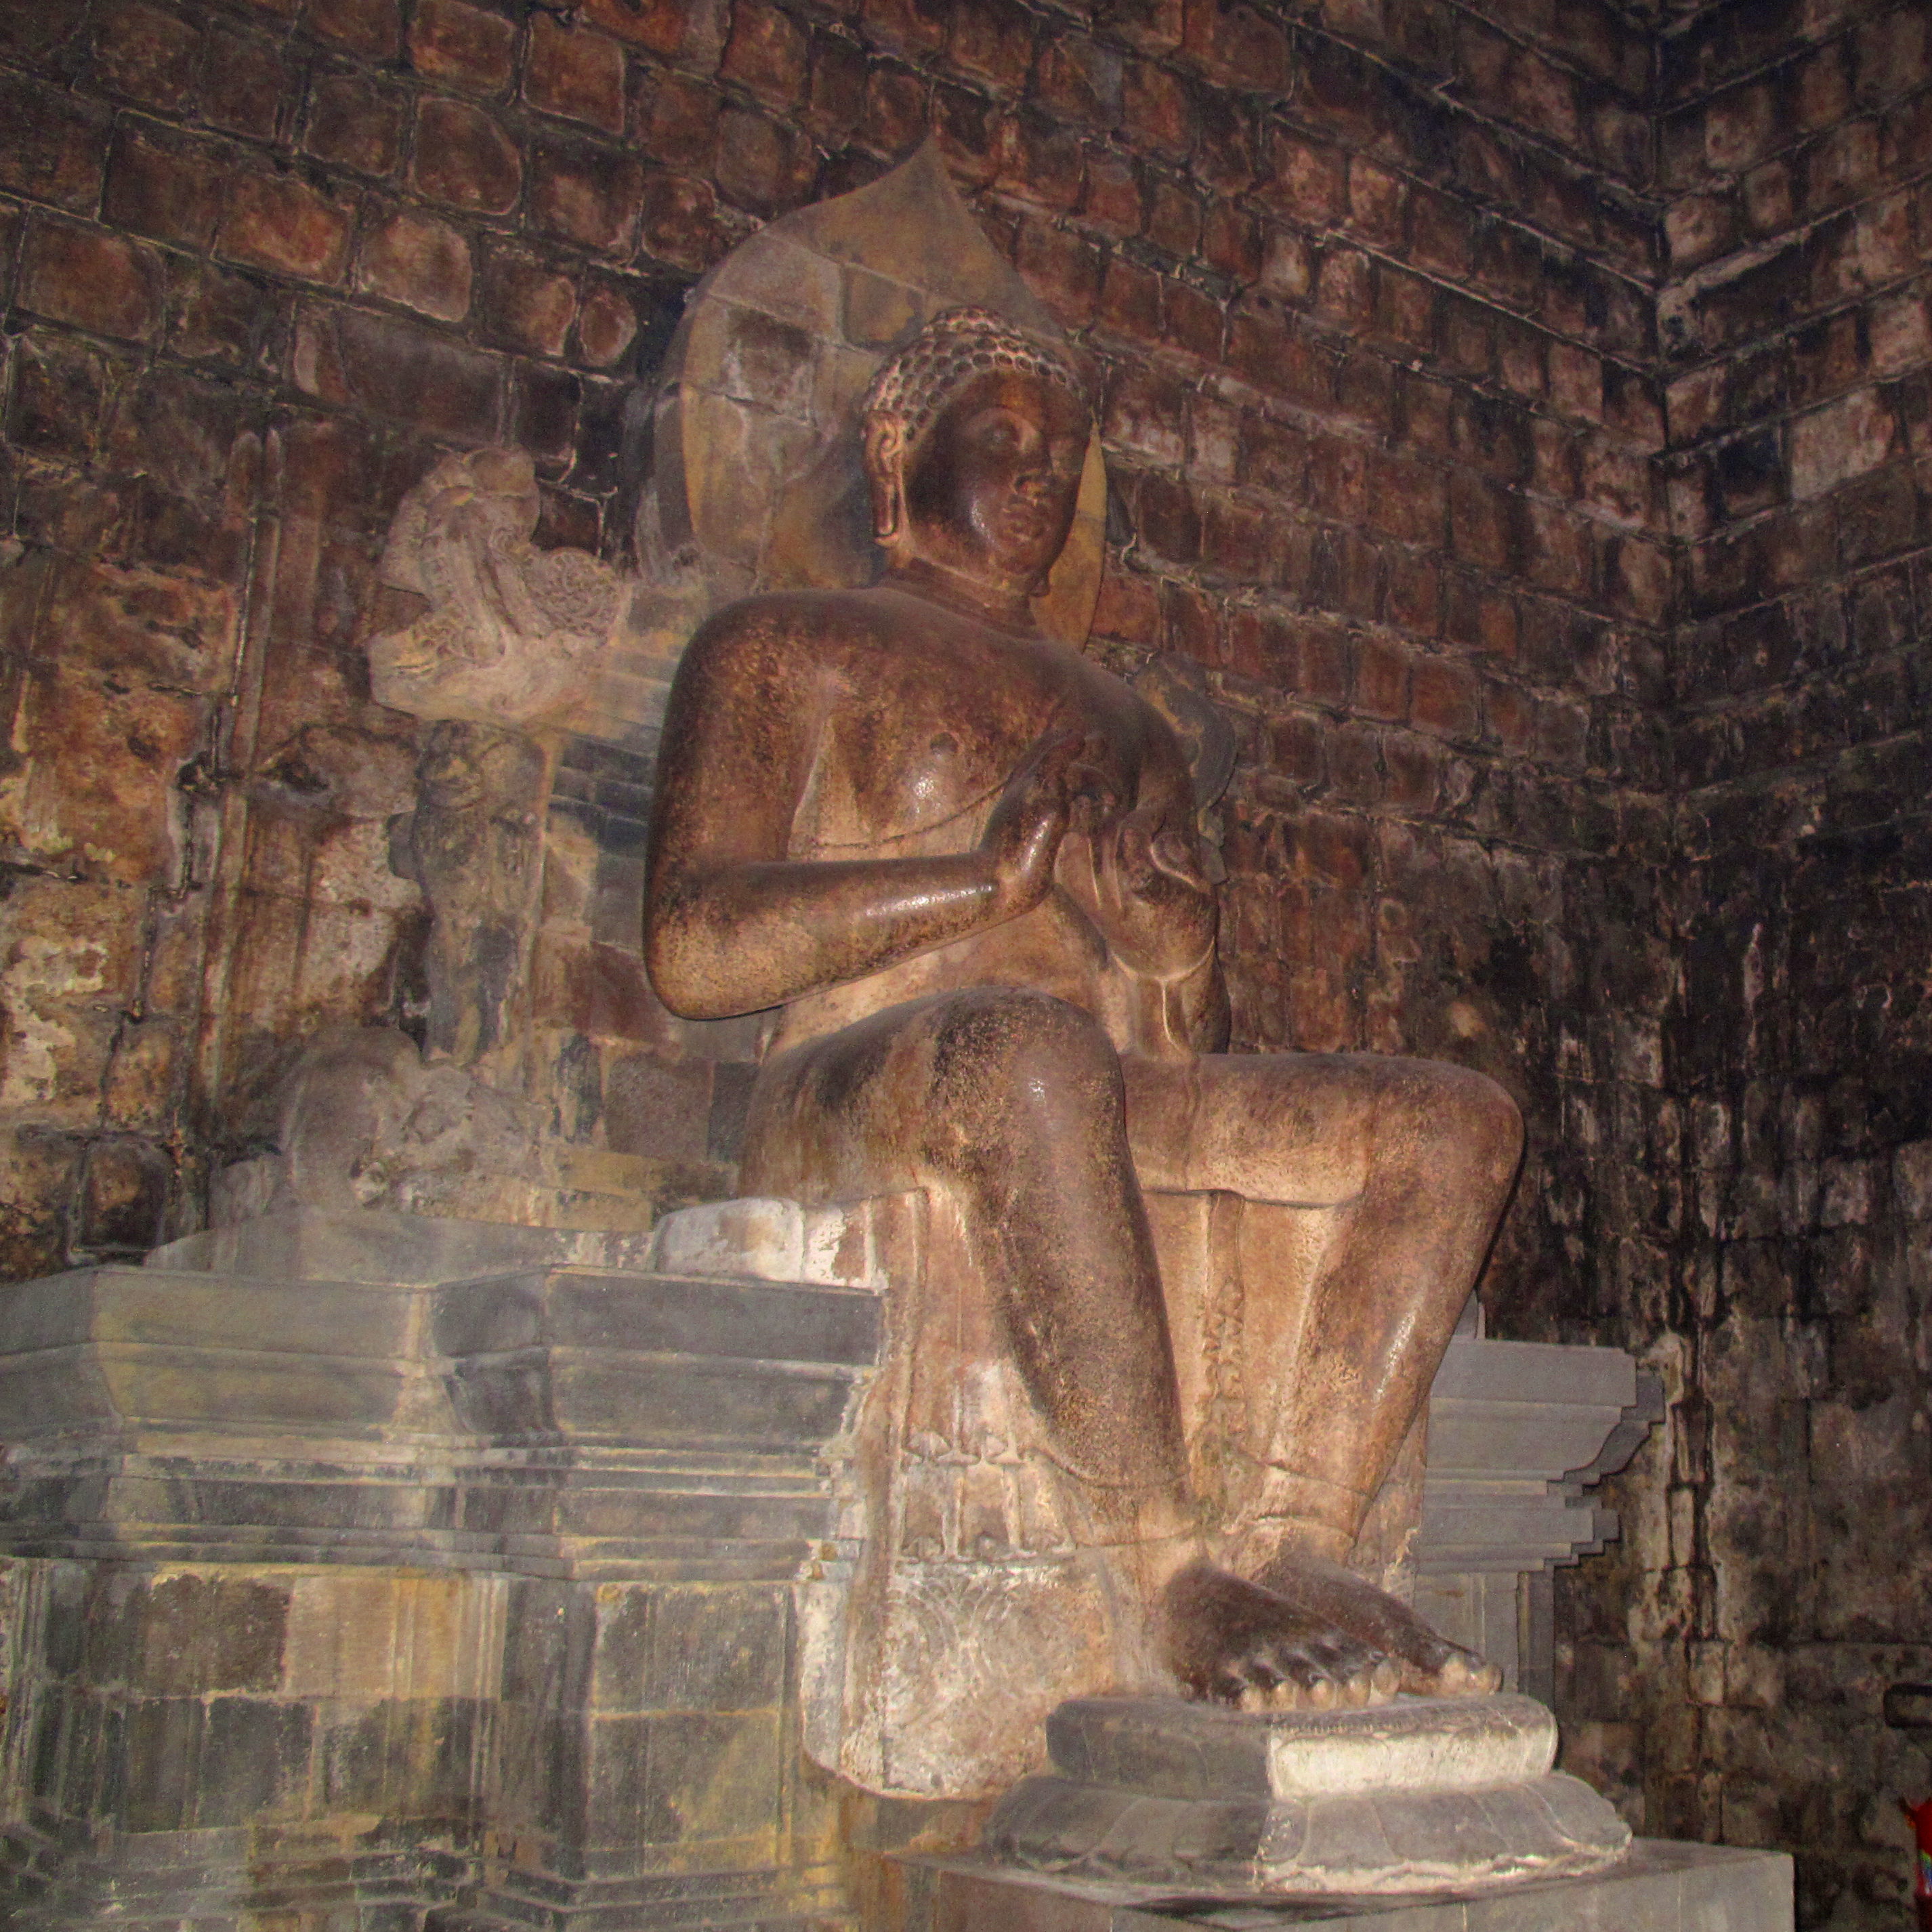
x=1661, y=1886
x=415, y=1574
x=1414, y=1796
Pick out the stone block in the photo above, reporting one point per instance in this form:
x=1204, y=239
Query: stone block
x=718, y=1648
x=591, y=195
x=1169, y=1750
x=54, y=147
x=465, y=46
x=464, y=157
x=355, y=123
x=575, y=72
x=92, y=279
x=247, y=88
x=524, y=304
x=280, y=222
x=421, y=262
x=313, y=1244
x=710, y=1777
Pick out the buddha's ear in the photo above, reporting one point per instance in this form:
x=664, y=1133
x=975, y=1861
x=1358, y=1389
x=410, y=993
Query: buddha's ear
x=885, y=471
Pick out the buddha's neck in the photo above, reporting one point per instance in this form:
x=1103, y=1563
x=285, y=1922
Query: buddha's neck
x=998, y=602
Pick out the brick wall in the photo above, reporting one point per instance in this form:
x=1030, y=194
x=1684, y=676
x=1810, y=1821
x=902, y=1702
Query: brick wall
x=1734, y=1654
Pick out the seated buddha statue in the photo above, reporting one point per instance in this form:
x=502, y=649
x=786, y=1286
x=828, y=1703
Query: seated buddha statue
x=958, y=864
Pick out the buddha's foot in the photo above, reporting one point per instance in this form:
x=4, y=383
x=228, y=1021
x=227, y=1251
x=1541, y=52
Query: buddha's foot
x=1430, y=1665
x=1313, y=1637
x=1233, y=1641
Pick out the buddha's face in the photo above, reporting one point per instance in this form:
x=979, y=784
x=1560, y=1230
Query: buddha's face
x=990, y=489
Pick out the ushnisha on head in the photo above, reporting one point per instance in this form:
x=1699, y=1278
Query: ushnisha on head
x=976, y=432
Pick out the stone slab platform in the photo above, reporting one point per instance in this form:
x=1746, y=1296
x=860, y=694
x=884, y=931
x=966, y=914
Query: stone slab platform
x=1662, y=1886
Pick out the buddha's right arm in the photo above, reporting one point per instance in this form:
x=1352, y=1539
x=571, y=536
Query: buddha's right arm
x=732, y=924
x=736, y=937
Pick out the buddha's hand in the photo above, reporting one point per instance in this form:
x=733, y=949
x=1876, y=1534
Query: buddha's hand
x=1156, y=902
x=1056, y=783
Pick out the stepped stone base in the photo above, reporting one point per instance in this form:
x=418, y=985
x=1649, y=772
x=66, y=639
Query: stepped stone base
x=379, y=1572
x=1660, y=1886
x=1410, y=1797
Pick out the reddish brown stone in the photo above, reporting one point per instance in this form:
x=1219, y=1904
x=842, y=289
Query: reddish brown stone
x=419, y=262
x=216, y=316
x=994, y=39
x=544, y=405
x=397, y=372
x=1239, y=540
x=1165, y=518
x=763, y=164
x=1040, y=163
x=1301, y=179
x=92, y=279
x=680, y=117
x=524, y=304
x=246, y=86
x=166, y=185
x=909, y=28
x=467, y=46
x=1238, y=45
x=463, y=157
x=1129, y=606
x=279, y=221
x=591, y=195
x=835, y=99
x=60, y=388
x=606, y=326
x=1063, y=270
x=53, y=147
x=1439, y=231
x=576, y=72
x=1413, y=602
x=1112, y=200
x=146, y=53
x=1193, y=322
x=967, y=126
x=895, y=115
x=1130, y=300
x=1382, y=678
x=766, y=54
x=1173, y=219
x=1343, y=290
x=680, y=221
x=1158, y=107
x=1153, y=25
x=354, y=124
x=31, y=29
x=1443, y=698
x=1077, y=79
x=1230, y=240
x=372, y=27
x=664, y=27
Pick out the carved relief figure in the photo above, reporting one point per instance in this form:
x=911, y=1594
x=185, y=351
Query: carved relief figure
x=960, y=862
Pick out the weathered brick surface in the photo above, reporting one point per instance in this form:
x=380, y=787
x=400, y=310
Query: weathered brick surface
x=1729, y=1659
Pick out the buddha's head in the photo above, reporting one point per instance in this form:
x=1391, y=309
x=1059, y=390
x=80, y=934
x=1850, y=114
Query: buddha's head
x=976, y=434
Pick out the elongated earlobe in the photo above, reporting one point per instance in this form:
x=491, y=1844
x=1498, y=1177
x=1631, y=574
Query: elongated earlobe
x=885, y=457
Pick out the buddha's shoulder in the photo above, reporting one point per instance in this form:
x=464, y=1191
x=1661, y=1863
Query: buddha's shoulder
x=876, y=632
x=773, y=619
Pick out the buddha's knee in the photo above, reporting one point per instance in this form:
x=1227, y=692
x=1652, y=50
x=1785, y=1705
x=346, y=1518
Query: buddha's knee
x=1007, y=1060
x=1457, y=1128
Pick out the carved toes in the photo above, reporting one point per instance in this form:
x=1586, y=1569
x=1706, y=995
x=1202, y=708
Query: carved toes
x=1459, y=1673
x=1314, y=1675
